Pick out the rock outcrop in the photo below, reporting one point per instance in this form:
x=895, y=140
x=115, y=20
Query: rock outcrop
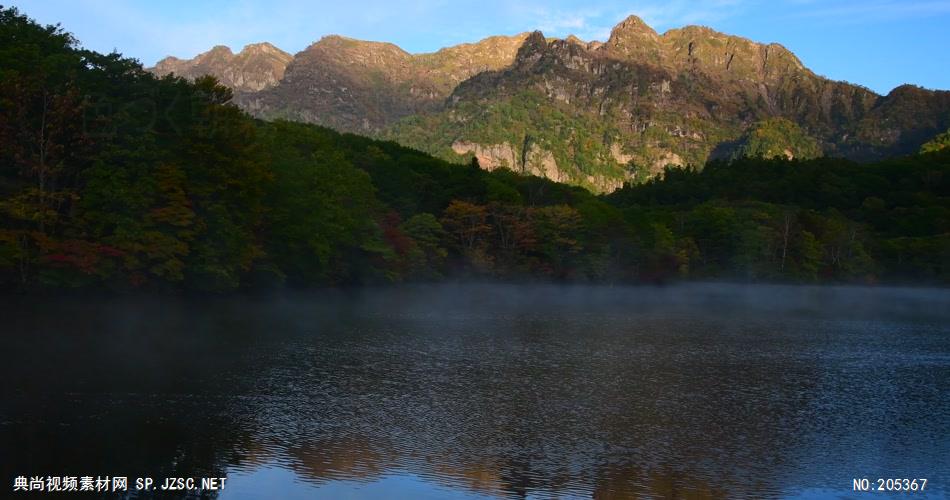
x=530, y=160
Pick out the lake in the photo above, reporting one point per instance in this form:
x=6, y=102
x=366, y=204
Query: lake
x=486, y=391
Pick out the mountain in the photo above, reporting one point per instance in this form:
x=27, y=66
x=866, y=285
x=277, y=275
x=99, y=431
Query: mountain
x=361, y=86
x=257, y=67
x=600, y=114
x=594, y=114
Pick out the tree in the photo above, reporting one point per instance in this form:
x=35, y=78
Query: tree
x=42, y=140
x=938, y=143
x=320, y=225
x=549, y=234
x=428, y=255
x=467, y=223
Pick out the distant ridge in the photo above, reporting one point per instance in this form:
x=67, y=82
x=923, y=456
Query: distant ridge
x=257, y=67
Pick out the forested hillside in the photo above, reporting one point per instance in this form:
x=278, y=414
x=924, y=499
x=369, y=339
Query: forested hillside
x=114, y=178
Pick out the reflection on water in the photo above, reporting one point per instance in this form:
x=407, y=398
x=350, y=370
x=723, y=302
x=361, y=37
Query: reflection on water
x=487, y=392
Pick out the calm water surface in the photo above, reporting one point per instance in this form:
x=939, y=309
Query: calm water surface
x=697, y=391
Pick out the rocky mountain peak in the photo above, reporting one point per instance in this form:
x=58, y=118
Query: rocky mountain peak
x=258, y=66
x=634, y=39
x=488, y=52
x=353, y=44
x=573, y=39
x=333, y=39
x=350, y=55
x=723, y=56
x=532, y=48
x=908, y=90
x=166, y=62
x=633, y=26
x=694, y=30
x=263, y=48
x=217, y=53
x=449, y=66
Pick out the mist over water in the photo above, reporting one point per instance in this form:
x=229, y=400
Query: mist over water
x=461, y=391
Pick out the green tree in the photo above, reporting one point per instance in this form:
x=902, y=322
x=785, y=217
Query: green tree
x=938, y=143
x=428, y=255
x=321, y=221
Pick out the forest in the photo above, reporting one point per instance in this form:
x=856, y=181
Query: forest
x=112, y=178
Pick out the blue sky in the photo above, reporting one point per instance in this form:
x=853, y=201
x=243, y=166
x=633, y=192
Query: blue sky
x=876, y=43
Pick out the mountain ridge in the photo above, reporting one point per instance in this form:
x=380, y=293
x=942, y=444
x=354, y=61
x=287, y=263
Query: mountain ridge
x=256, y=67
x=595, y=114
x=364, y=86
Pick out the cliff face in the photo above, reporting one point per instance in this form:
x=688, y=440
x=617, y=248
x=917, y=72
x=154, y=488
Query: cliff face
x=587, y=113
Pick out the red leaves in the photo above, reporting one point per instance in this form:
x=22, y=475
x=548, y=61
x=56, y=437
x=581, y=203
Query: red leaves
x=110, y=251
x=81, y=255
x=394, y=235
